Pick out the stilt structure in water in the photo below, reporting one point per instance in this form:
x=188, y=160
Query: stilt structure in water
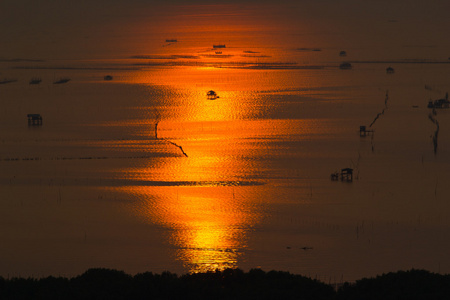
x=345, y=175
x=363, y=131
x=212, y=95
x=34, y=120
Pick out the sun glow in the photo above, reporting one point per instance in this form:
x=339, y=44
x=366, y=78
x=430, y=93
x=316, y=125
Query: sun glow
x=195, y=194
x=206, y=222
x=206, y=194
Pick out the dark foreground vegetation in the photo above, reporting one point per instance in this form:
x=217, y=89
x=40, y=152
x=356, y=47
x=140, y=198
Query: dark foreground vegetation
x=228, y=284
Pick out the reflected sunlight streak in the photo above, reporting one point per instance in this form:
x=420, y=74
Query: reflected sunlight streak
x=208, y=223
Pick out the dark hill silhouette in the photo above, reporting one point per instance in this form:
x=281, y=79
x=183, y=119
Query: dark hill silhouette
x=402, y=285
x=227, y=284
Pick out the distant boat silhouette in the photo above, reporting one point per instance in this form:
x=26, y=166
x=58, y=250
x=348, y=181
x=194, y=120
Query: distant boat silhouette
x=342, y=53
x=7, y=81
x=62, y=80
x=345, y=66
x=35, y=81
x=212, y=95
x=390, y=70
x=171, y=41
x=309, y=49
x=218, y=52
x=219, y=46
x=108, y=77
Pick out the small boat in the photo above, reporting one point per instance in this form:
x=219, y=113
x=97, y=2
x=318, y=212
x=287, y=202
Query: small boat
x=171, y=41
x=218, y=52
x=212, y=95
x=440, y=103
x=309, y=49
x=7, y=81
x=345, y=66
x=108, y=77
x=35, y=81
x=219, y=46
x=62, y=80
x=389, y=70
x=342, y=53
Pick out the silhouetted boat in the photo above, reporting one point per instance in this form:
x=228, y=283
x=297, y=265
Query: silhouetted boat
x=390, y=70
x=35, y=80
x=108, y=77
x=212, y=95
x=309, y=49
x=440, y=103
x=218, y=52
x=342, y=53
x=219, y=46
x=171, y=41
x=345, y=66
x=7, y=81
x=62, y=80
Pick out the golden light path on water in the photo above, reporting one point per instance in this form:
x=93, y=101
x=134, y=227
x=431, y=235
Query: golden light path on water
x=208, y=223
x=209, y=199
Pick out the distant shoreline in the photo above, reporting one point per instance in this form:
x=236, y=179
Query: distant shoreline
x=406, y=61
x=227, y=284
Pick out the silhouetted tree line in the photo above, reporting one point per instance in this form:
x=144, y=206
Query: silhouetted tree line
x=228, y=284
x=402, y=285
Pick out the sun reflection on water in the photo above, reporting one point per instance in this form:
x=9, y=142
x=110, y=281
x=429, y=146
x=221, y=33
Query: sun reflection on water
x=208, y=225
x=194, y=196
x=210, y=235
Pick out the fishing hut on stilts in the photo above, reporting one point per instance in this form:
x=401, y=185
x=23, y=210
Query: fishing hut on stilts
x=345, y=175
x=363, y=131
x=34, y=120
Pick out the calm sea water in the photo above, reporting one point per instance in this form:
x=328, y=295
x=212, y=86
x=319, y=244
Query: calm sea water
x=242, y=181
